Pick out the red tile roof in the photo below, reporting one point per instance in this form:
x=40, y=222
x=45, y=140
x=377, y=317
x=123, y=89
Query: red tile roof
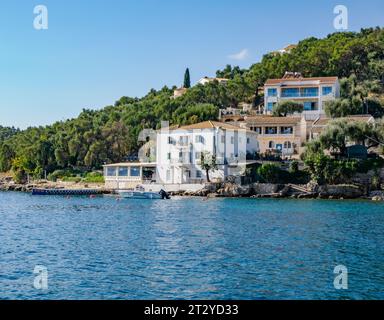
x=303, y=80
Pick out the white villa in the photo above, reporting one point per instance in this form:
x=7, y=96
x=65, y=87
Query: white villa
x=178, y=157
x=313, y=93
x=179, y=152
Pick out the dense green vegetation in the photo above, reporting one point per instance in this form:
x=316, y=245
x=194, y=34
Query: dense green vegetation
x=76, y=176
x=6, y=133
x=110, y=134
x=364, y=97
x=336, y=167
x=274, y=173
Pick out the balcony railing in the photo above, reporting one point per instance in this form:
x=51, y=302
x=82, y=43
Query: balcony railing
x=182, y=143
x=180, y=161
x=300, y=95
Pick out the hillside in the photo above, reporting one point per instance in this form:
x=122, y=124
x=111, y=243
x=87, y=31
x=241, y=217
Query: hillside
x=110, y=134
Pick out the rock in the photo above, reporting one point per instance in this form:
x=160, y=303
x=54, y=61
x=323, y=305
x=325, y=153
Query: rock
x=234, y=190
x=212, y=195
x=212, y=187
x=312, y=186
x=377, y=198
x=306, y=196
x=343, y=191
x=285, y=191
x=266, y=188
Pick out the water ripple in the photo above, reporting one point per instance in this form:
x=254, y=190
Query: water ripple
x=189, y=248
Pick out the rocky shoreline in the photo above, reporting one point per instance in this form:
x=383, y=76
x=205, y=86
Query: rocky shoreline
x=227, y=190
x=276, y=191
x=7, y=184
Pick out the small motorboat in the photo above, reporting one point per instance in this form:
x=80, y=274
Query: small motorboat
x=140, y=193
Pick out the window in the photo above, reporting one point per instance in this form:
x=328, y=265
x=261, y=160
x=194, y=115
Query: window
x=111, y=171
x=310, y=92
x=248, y=140
x=123, y=172
x=271, y=130
x=198, y=174
x=287, y=145
x=271, y=145
x=135, y=172
x=286, y=130
x=310, y=106
x=270, y=106
x=290, y=92
x=199, y=139
x=256, y=129
x=198, y=155
x=327, y=91
x=272, y=92
x=168, y=156
x=171, y=140
x=183, y=140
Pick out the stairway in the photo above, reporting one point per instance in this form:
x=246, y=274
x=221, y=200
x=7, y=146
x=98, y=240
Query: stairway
x=298, y=188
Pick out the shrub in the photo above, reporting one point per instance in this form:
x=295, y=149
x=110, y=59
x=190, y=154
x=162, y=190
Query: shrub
x=94, y=177
x=269, y=173
x=72, y=179
x=370, y=164
x=324, y=169
x=294, y=167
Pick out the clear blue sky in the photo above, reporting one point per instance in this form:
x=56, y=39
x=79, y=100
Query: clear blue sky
x=96, y=51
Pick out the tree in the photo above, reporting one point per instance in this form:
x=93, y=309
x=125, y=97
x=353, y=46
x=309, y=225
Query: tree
x=340, y=132
x=374, y=107
x=187, y=79
x=342, y=108
x=285, y=108
x=208, y=163
x=6, y=156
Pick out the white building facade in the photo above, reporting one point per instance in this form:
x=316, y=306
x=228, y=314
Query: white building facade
x=313, y=93
x=180, y=150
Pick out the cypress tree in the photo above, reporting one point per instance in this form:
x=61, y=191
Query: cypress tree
x=187, y=79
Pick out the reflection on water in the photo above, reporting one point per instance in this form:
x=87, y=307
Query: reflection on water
x=189, y=248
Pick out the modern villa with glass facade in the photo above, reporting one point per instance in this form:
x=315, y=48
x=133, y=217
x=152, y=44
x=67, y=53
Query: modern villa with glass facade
x=313, y=93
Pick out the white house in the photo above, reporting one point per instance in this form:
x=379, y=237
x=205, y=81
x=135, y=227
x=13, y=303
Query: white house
x=313, y=93
x=180, y=149
x=207, y=80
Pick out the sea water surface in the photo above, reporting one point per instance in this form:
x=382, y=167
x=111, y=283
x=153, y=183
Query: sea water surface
x=189, y=248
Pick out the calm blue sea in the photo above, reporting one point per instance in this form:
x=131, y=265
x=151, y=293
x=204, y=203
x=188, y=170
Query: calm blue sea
x=190, y=248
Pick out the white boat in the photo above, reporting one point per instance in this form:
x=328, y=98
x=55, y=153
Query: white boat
x=140, y=193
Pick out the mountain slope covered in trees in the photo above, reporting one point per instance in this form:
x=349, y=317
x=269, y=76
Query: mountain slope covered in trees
x=110, y=134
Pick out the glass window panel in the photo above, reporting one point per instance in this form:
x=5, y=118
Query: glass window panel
x=123, y=171
x=111, y=172
x=135, y=171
